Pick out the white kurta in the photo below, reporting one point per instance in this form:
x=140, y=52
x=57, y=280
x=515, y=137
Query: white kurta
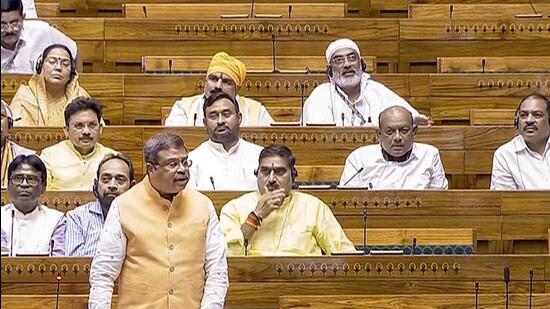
x=229, y=170
x=36, y=35
x=516, y=167
x=33, y=232
x=422, y=170
x=325, y=105
x=179, y=117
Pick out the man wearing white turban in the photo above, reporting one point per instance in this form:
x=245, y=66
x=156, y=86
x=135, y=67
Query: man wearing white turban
x=351, y=97
x=225, y=73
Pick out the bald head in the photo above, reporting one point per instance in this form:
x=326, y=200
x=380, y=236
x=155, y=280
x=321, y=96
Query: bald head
x=395, y=112
x=396, y=130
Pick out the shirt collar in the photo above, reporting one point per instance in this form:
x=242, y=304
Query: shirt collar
x=95, y=207
x=218, y=147
x=71, y=147
x=19, y=215
x=287, y=201
x=156, y=195
x=380, y=158
x=520, y=145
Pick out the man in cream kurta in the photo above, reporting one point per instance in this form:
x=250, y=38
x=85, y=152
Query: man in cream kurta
x=161, y=240
x=278, y=221
x=72, y=164
x=224, y=161
x=226, y=74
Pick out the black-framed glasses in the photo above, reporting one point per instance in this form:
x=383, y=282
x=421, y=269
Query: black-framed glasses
x=31, y=179
x=175, y=163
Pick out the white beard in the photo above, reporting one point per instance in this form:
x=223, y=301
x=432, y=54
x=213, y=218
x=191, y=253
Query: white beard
x=347, y=82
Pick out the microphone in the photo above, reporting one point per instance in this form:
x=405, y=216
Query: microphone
x=302, y=106
x=246, y=247
x=365, y=215
x=17, y=119
x=194, y=123
x=273, y=54
x=58, y=278
x=290, y=11
x=506, y=283
x=343, y=117
x=413, y=245
x=252, y=9
x=212, y=182
x=451, y=8
x=354, y=175
x=531, y=275
x=144, y=11
x=477, y=294
x=483, y=65
x=51, y=247
x=11, y=234
x=534, y=15
x=170, y=66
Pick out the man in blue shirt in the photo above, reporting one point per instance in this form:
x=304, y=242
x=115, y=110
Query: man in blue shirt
x=115, y=175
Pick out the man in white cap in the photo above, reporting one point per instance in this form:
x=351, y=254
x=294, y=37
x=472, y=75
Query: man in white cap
x=351, y=97
x=225, y=73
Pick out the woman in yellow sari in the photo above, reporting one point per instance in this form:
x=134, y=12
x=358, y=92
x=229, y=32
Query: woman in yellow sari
x=54, y=85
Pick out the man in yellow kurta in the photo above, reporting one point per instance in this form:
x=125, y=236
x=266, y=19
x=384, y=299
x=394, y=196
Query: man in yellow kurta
x=72, y=163
x=225, y=73
x=278, y=221
x=161, y=239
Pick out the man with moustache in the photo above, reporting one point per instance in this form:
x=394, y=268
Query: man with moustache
x=524, y=162
x=275, y=220
x=227, y=74
x=351, y=97
x=398, y=162
x=24, y=40
x=72, y=164
x=225, y=161
x=115, y=175
x=161, y=239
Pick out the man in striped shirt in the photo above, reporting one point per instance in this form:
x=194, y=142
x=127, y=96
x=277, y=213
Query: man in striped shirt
x=115, y=175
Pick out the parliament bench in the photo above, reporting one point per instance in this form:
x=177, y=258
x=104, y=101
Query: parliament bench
x=505, y=222
x=466, y=152
x=447, y=98
x=400, y=45
x=115, y=7
x=484, y=117
x=258, y=282
x=412, y=237
x=525, y=64
x=254, y=64
x=399, y=8
x=234, y=10
x=497, y=10
x=423, y=301
x=47, y=9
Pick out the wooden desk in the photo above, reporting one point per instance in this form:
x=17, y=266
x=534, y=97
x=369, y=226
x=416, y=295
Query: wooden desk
x=448, y=98
x=259, y=282
x=464, y=150
x=505, y=222
x=472, y=11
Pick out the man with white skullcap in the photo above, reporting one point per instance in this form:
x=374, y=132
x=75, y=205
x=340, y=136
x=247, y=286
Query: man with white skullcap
x=351, y=97
x=225, y=73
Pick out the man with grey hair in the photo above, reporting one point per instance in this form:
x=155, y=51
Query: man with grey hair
x=351, y=97
x=398, y=162
x=162, y=238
